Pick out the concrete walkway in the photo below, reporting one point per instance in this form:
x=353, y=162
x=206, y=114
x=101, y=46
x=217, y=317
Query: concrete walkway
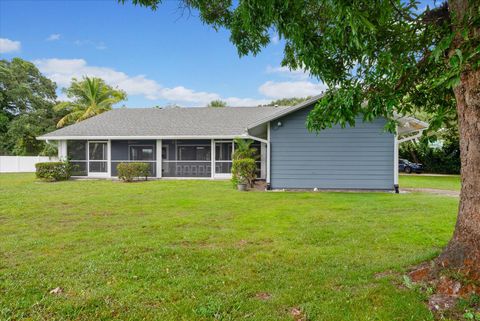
x=432, y=191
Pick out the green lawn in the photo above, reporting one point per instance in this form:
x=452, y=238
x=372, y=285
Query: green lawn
x=451, y=182
x=199, y=250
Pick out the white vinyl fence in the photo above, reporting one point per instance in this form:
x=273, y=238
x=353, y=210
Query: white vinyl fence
x=18, y=164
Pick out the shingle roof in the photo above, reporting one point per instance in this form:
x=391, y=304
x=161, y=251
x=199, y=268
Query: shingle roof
x=189, y=122
x=279, y=112
x=167, y=122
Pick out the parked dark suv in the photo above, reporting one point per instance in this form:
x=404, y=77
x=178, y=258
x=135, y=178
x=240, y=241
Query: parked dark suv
x=409, y=167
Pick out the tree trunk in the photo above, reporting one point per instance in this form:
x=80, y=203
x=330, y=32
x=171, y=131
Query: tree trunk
x=463, y=250
x=411, y=149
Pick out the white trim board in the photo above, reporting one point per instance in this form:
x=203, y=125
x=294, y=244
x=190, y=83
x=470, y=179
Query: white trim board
x=139, y=137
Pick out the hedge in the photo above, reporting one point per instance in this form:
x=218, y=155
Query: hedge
x=54, y=171
x=441, y=160
x=127, y=172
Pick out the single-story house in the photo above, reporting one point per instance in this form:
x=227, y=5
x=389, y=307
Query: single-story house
x=198, y=143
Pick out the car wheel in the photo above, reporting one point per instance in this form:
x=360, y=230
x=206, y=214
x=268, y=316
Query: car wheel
x=408, y=170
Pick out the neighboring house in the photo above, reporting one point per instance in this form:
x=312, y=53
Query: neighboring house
x=198, y=143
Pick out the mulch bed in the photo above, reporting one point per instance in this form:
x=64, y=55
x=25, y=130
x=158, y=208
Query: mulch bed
x=447, y=289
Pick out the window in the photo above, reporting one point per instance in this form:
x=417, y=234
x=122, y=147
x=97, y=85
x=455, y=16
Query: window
x=141, y=153
x=202, y=153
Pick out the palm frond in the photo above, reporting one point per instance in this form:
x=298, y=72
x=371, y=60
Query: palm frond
x=69, y=118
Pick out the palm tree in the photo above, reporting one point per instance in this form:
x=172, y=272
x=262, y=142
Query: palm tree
x=89, y=97
x=244, y=149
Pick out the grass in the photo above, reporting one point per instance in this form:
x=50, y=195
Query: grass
x=199, y=250
x=451, y=182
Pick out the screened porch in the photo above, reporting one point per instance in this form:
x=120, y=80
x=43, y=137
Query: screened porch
x=194, y=158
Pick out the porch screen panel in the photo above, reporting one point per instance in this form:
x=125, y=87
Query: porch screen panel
x=223, y=157
x=186, y=158
x=77, y=154
x=138, y=151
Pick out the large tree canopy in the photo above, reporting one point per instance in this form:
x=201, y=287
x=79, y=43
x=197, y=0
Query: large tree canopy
x=377, y=58
x=23, y=88
x=26, y=107
x=380, y=53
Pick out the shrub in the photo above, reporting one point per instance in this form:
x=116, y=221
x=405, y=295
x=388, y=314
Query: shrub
x=243, y=171
x=442, y=160
x=127, y=172
x=54, y=171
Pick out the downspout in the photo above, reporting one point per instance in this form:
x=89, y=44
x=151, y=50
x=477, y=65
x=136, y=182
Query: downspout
x=395, y=164
x=269, y=187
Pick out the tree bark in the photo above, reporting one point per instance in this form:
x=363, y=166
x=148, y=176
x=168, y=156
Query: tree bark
x=463, y=250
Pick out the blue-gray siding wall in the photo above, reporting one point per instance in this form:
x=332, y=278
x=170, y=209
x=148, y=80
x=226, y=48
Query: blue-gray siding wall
x=338, y=158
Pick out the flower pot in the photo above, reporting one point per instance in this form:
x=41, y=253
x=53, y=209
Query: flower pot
x=242, y=187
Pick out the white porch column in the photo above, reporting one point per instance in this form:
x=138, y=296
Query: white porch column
x=212, y=164
x=269, y=152
x=159, y=158
x=109, y=158
x=62, y=149
x=395, y=163
x=263, y=159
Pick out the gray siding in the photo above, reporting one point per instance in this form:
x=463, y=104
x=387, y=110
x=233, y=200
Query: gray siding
x=338, y=158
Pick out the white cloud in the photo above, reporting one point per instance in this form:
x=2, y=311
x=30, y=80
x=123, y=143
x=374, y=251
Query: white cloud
x=7, y=45
x=63, y=70
x=246, y=102
x=54, y=37
x=181, y=93
x=285, y=71
x=287, y=89
x=98, y=45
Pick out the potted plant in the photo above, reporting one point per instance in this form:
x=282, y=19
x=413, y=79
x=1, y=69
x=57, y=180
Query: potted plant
x=242, y=186
x=243, y=173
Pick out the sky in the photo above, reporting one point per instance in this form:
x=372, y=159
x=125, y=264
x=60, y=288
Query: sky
x=159, y=58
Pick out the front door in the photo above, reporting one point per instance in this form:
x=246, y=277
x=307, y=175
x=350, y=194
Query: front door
x=223, y=159
x=98, y=159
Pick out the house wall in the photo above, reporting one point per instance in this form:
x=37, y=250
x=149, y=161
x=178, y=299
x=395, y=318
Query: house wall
x=359, y=157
